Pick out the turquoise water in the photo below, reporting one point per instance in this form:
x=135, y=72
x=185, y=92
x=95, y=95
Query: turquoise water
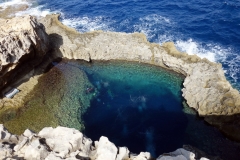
x=140, y=106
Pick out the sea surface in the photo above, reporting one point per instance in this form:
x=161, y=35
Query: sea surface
x=210, y=29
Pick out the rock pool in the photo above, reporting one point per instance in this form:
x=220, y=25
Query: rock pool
x=140, y=106
x=135, y=105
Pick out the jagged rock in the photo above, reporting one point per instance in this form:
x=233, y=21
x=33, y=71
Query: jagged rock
x=5, y=151
x=105, y=149
x=35, y=150
x=179, y=154
x=205, y=86
x=22, y=40
x=123, y=153
x=6, y=136
x=142, y=156
x=69, y=144
x=71, y=140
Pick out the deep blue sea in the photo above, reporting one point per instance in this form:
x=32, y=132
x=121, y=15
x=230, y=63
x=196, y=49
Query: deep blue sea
x=209, y=29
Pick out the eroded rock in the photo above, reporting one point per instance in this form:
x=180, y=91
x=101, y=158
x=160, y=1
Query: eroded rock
x=179, y=154
x=70, y=144
x=23, y=43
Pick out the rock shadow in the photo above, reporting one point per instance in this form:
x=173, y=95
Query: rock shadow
x=229, y=125
x=30, y=65
x=56, y=41
x=212, y=141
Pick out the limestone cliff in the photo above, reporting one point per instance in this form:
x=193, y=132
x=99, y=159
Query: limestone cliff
x=205, y=86
x=23, y=43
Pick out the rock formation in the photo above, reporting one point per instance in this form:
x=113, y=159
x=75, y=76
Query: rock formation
x=68, y=143
x=205, y=86
x=23, y=43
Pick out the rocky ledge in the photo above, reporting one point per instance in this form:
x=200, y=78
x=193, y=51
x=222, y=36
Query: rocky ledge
x=68, y=143
x=205, y=87
x=23, y=43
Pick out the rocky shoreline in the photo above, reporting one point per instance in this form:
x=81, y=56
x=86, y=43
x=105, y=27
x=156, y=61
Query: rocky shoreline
x=27, y=47
x=205, y=87
x=69, y=143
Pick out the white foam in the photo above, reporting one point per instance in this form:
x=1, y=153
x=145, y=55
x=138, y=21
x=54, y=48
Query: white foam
x=33, y=8
x=151, y=24
x=166, y=31
x=214, y=53
x=6, y=4
x=85, y=24
x=192, y=47
x=36, y=11
x=155, y=18
x=233, y=63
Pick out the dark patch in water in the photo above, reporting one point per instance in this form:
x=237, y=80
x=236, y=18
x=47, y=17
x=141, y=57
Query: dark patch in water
x=140, y=106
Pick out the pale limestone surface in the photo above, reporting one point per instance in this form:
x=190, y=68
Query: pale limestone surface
x=105, y=149
x=70, y=144
x=20, y=36
x=123, y=153
x=23, y=43
x=141, y=156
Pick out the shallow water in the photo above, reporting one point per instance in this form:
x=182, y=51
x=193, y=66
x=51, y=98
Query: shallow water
x=59, y=98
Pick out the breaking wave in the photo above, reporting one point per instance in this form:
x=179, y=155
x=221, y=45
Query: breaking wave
x=6, y=4
x=33, y=9
x=85, y=24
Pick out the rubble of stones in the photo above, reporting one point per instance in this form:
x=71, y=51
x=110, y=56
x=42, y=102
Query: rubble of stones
x=70, y=144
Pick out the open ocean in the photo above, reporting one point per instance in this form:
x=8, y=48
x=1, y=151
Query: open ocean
x=209, y=29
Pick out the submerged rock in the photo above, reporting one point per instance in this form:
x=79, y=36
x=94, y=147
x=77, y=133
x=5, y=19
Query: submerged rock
x=59, y=96
x=69, y=143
